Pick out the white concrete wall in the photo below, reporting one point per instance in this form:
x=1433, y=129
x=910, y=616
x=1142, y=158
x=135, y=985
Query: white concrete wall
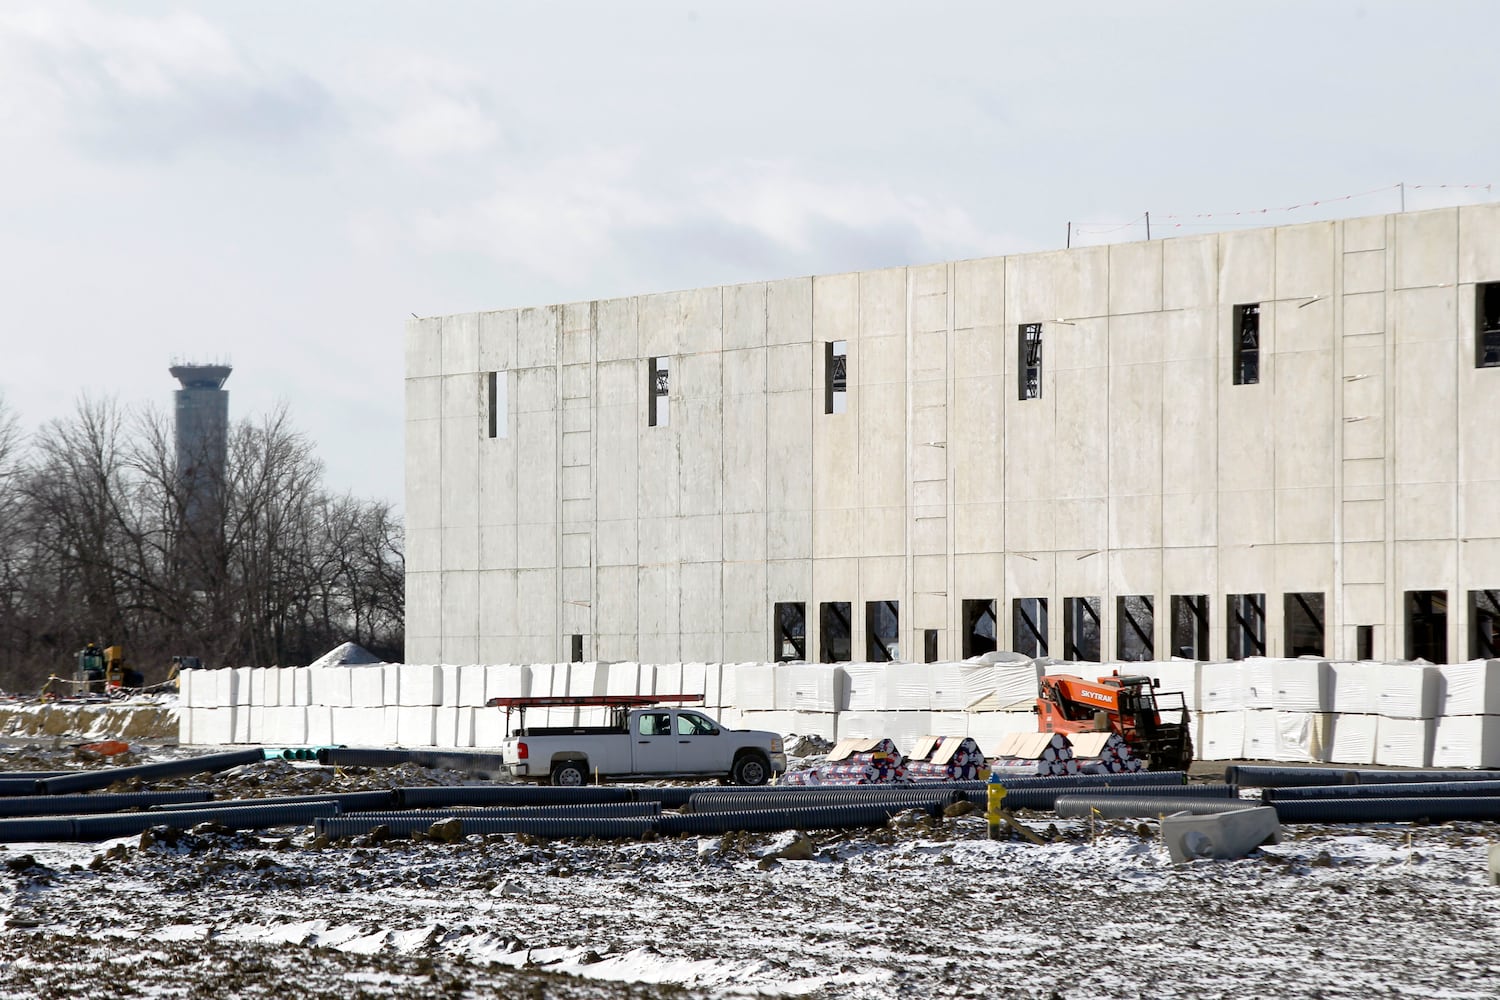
x=1361, y=466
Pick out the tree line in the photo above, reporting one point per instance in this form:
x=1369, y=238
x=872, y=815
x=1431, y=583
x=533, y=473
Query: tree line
x=102, y=540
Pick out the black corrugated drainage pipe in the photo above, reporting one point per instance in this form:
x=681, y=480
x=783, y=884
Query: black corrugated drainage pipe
x=509, y=795
x=1392, y=810
x=1046, y=798
x=929, y=799
x=677, y=796
x=1079, y=780
x=1261, y=776
x=1365, y=776
x=1126, y=806
x=88, y=781
x=612, y=828
x=845, y=815
x=423, y=818
x=348, y=802
x=129, y=824
x=455, y=760
x=1397, y=790
x=63, y=805
x=18, y=786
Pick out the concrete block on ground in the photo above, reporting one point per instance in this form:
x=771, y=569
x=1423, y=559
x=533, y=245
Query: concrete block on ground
x=285, y=726
x=319, y=725
x=445, y=729
x=448, y=689
x=213, y=726
x=225, y=688
x=622, y=678
x=184, y=724
x=666, y=678
x=464, y=731
x=416, y=725
x=584, y=678
x=393, y=673
x=242, y=725
x=362, y=726
x=646, y=680
x=258, y=689
x=421, y=686
x=489, y=727
x=1221, y=836
x=471, y=685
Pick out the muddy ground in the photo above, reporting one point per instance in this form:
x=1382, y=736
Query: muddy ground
x=922, y=909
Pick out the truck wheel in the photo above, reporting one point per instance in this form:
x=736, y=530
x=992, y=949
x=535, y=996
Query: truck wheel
x=751, y=769
x=570, y=772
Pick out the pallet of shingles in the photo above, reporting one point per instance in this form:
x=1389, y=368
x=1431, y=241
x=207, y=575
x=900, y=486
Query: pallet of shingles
x=1104, y=753
x=945, y=758
x=854, y=762
x=1043, y=754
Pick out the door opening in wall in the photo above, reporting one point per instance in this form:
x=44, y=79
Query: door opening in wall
x=1247, y=344
x=1427, y=625
x=1081, y=628
x=882, y=631
x=1029, y=368
x=658, y=385
x=497, y=404
x=1484, y=624
x=1135, y=628
x=1247, y=626
x=835, y=637
x=1190, y=626
x=577, y=649
x=789, y=641
x=1364, y=642
x=980, y=627
x=929, y=645
x=1028, y=625
x=835, y=376
x=1487, y=325
x=1302, y=624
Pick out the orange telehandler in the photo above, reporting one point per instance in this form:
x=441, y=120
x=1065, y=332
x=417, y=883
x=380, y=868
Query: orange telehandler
x=1129, y=706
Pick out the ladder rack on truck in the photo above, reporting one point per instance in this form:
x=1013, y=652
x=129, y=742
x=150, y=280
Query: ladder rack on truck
x=618, y=702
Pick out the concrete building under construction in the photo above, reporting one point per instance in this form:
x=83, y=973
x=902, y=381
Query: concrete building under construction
x=1276, y=441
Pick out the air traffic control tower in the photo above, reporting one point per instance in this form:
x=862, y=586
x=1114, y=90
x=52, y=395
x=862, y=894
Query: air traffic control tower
x=202, y=421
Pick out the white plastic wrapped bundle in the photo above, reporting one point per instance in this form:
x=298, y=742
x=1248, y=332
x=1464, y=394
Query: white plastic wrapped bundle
x=989, y=729
x=1302, y=685
x=1353, y=740
x=908, y=685
x=809, y=687
x=1221, y=687
x=867, y=688
x=1471, y=688
x=1354, y=684
x=1404, y=742
x=1466, y=741
x=1407, y=690
x=1221, y=736
x=777, y=721
x=1260, y=734
x=1303, y=737
x=754, y=686
x=946, y=688
x=1178, y=676
x=1257, y=684
x=824, y=725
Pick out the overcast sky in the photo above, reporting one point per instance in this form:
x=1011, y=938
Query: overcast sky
x=284, y=183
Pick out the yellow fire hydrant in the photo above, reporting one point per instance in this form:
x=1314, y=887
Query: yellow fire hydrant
x=994, y=802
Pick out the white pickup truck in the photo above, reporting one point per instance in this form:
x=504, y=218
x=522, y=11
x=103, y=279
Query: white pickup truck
x=659, y=741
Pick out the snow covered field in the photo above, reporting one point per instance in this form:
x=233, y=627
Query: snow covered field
x=924, y=909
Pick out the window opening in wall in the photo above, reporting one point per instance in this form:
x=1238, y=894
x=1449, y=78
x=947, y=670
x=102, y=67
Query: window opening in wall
x=658, y=382
x=1247, y=344
x=1484, y=624
x=790, y=639
x=577, y=649
x=882, y=631
x=1135, y=628
x=1081, y=628
x=1487, y=325
x=1364, y=642
x=1302, y=624
x=1190, y=626
x=495, y=390
x=929, y=645
x=980, y=627
x=834, y=633
x=1427, y=625
x=1247, y=626
x=1028, y=625
x=1030, y=364
x=835, y=376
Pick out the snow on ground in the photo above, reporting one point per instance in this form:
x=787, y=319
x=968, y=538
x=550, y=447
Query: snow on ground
x=923, y=909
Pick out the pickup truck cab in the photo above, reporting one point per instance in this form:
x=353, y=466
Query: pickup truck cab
x=650, y=742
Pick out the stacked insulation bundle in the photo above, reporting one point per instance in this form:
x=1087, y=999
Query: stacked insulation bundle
x=945, y=758
x=1104, y=753
x=855, y=762
x=1041, y=754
